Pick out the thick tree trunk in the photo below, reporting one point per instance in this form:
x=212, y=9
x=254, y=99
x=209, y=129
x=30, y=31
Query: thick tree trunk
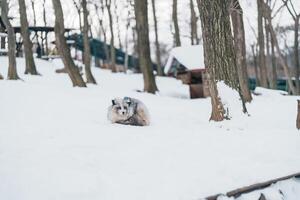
x=12, y=69
x=175, y=21
x=141, y=16
x=261, y=45
x=240, y=49
x=63, y=48
x=157, y=46
x=296, y=54
x=86, y=43
x=112, y=43
x=30, y=64
x=267, y=14
x=217, y=41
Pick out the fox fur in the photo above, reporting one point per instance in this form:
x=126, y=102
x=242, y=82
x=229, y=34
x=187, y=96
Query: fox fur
x=128, y=111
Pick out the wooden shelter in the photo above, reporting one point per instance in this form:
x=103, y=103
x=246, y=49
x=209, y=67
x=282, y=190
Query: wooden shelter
x=187, y=64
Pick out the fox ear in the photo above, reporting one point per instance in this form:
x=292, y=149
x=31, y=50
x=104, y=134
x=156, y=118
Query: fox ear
x=113, y=102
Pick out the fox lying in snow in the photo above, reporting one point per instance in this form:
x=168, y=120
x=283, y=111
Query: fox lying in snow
x=128, y=111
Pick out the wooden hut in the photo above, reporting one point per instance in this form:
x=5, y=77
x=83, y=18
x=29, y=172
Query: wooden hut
x=187, y=64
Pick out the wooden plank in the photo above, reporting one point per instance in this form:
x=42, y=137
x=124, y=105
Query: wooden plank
x=258, y=186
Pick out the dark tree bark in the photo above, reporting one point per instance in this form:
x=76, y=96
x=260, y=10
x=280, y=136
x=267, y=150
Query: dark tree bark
x=219, y=54
x=12, y=69
x=261, y=45
x=267, y=14
x=86, y=43
x=175, y=22
x=254, y=54
x=30, y=64
x=112, y=38
x=157, y=46
x=141, y=16
x=240, y=49
x=63, y=48
x=194, y=33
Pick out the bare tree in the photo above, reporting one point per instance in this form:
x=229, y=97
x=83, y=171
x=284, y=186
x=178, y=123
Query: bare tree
x=30, y=64
x=33, y=11
x=86, y=43
x=240, y=49
x=256, y=70
x=45, y=24
x=261, y=46
x=296, y=17
x=175, y=22
x=194, y=31
x=118, y=24
x=267, y=14
x=112, y=43
x=217, y=40
x=63, y=48
x=273, y=82
x=12, y=69
x=157, y=48
x=141, y=16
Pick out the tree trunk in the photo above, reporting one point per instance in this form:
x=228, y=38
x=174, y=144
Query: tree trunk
x=175, y=21
x=86, y=43
x=240, y=49
x=118, y=24
x=194, y=33
x=30, y=64
x=112, y=43
x=63, y=48
x=33, y=11
x=296, y=54
x=45, y=24
x=267, y=15
x=273, y=82
x=261, y=45
x=12, y=69
x=141, y=16
x=217, y=40
x=157, y=46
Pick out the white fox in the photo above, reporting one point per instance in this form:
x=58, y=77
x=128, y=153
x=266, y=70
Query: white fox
x=128, y=111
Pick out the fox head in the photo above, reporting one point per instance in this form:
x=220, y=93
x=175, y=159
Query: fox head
x=124, y=108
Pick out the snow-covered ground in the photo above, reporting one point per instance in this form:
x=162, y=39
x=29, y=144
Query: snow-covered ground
x=56, y=143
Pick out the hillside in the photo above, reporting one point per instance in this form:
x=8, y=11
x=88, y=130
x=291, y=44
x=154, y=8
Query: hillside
x=56, y=143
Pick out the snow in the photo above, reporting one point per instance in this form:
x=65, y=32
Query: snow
x=56, y=143
x=189, y=56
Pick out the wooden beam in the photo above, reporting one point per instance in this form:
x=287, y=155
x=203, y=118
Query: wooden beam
x=258, y=186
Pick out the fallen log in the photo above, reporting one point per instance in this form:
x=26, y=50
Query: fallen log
x=258, y=186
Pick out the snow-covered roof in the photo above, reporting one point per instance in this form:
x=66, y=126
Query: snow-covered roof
x=189, y=56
